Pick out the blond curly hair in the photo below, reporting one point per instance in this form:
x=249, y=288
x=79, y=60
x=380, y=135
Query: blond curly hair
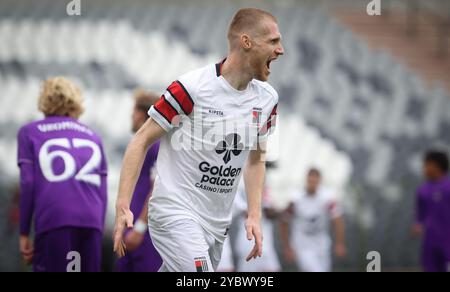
x=60, y=97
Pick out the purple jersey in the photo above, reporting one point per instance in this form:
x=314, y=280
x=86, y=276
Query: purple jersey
x=145, y=258
x=144, y=184
x=433, y=210
x=63, y=175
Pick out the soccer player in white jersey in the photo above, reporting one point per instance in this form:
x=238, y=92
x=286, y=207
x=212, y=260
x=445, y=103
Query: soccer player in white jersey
x=311, y=211
x=213, y=123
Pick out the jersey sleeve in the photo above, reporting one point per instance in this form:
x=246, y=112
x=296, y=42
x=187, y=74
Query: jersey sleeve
x=175, y=103
x=25, y=148
x=269, y=125
x=420, y=207
x=25, y=161
x=334, y=207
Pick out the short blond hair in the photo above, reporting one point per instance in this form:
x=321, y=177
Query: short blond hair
x=144, y=99
x=247, y=19
x=60, y=97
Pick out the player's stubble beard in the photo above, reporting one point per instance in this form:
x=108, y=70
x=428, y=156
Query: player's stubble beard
x=258, y=64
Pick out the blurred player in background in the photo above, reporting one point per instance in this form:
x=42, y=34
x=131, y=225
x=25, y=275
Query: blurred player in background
x=226, y=261
x=62, y=183
x=141, y=255
x=14, y=211
x=310, y=212
x=433, y=213
x=190, y=208
x=268, y=262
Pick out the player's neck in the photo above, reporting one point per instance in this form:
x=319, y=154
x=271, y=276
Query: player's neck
x=311, y=193
x=237, y=72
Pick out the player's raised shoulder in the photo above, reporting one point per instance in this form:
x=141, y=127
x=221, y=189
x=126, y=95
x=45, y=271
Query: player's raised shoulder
x=28, y=129
x=89, y=131
x=23, y=132
x=268, y=89
x=192, y=80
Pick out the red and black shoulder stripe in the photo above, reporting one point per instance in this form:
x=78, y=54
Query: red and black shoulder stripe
x=181, y=96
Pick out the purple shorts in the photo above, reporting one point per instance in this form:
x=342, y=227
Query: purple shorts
x=435, y=256
x=51, y=250
x=144, y=259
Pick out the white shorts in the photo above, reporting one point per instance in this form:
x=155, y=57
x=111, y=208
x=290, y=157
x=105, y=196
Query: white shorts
x=314, y=260
x=313, y=252
x=185, y=246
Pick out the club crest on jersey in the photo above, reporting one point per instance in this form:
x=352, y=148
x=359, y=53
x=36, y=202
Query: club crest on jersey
x=201, y=264
x=230, y=146
x=256, y=116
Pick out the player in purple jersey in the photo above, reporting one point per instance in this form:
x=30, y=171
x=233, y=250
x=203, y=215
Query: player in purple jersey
x=141, y=255
x=62, y=184
x=433, y=213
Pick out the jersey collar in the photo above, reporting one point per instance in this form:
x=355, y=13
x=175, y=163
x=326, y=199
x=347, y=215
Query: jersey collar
x=219, y=67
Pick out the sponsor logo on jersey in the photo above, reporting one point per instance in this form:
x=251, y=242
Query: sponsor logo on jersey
x=215, y=112
x=215, y=177
x=221, y=179
x=201, y=264
x=256, y=116
x=231, y=145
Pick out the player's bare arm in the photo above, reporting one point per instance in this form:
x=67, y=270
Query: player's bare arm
x=254, y=182
x=131, y=168
x=26, y=248
x=284, y=227
x=339, y=229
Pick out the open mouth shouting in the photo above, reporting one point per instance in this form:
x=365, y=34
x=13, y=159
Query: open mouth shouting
x=268, y=63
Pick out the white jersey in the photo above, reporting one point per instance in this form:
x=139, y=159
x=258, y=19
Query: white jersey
x=211, y=127
x=312, y=215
